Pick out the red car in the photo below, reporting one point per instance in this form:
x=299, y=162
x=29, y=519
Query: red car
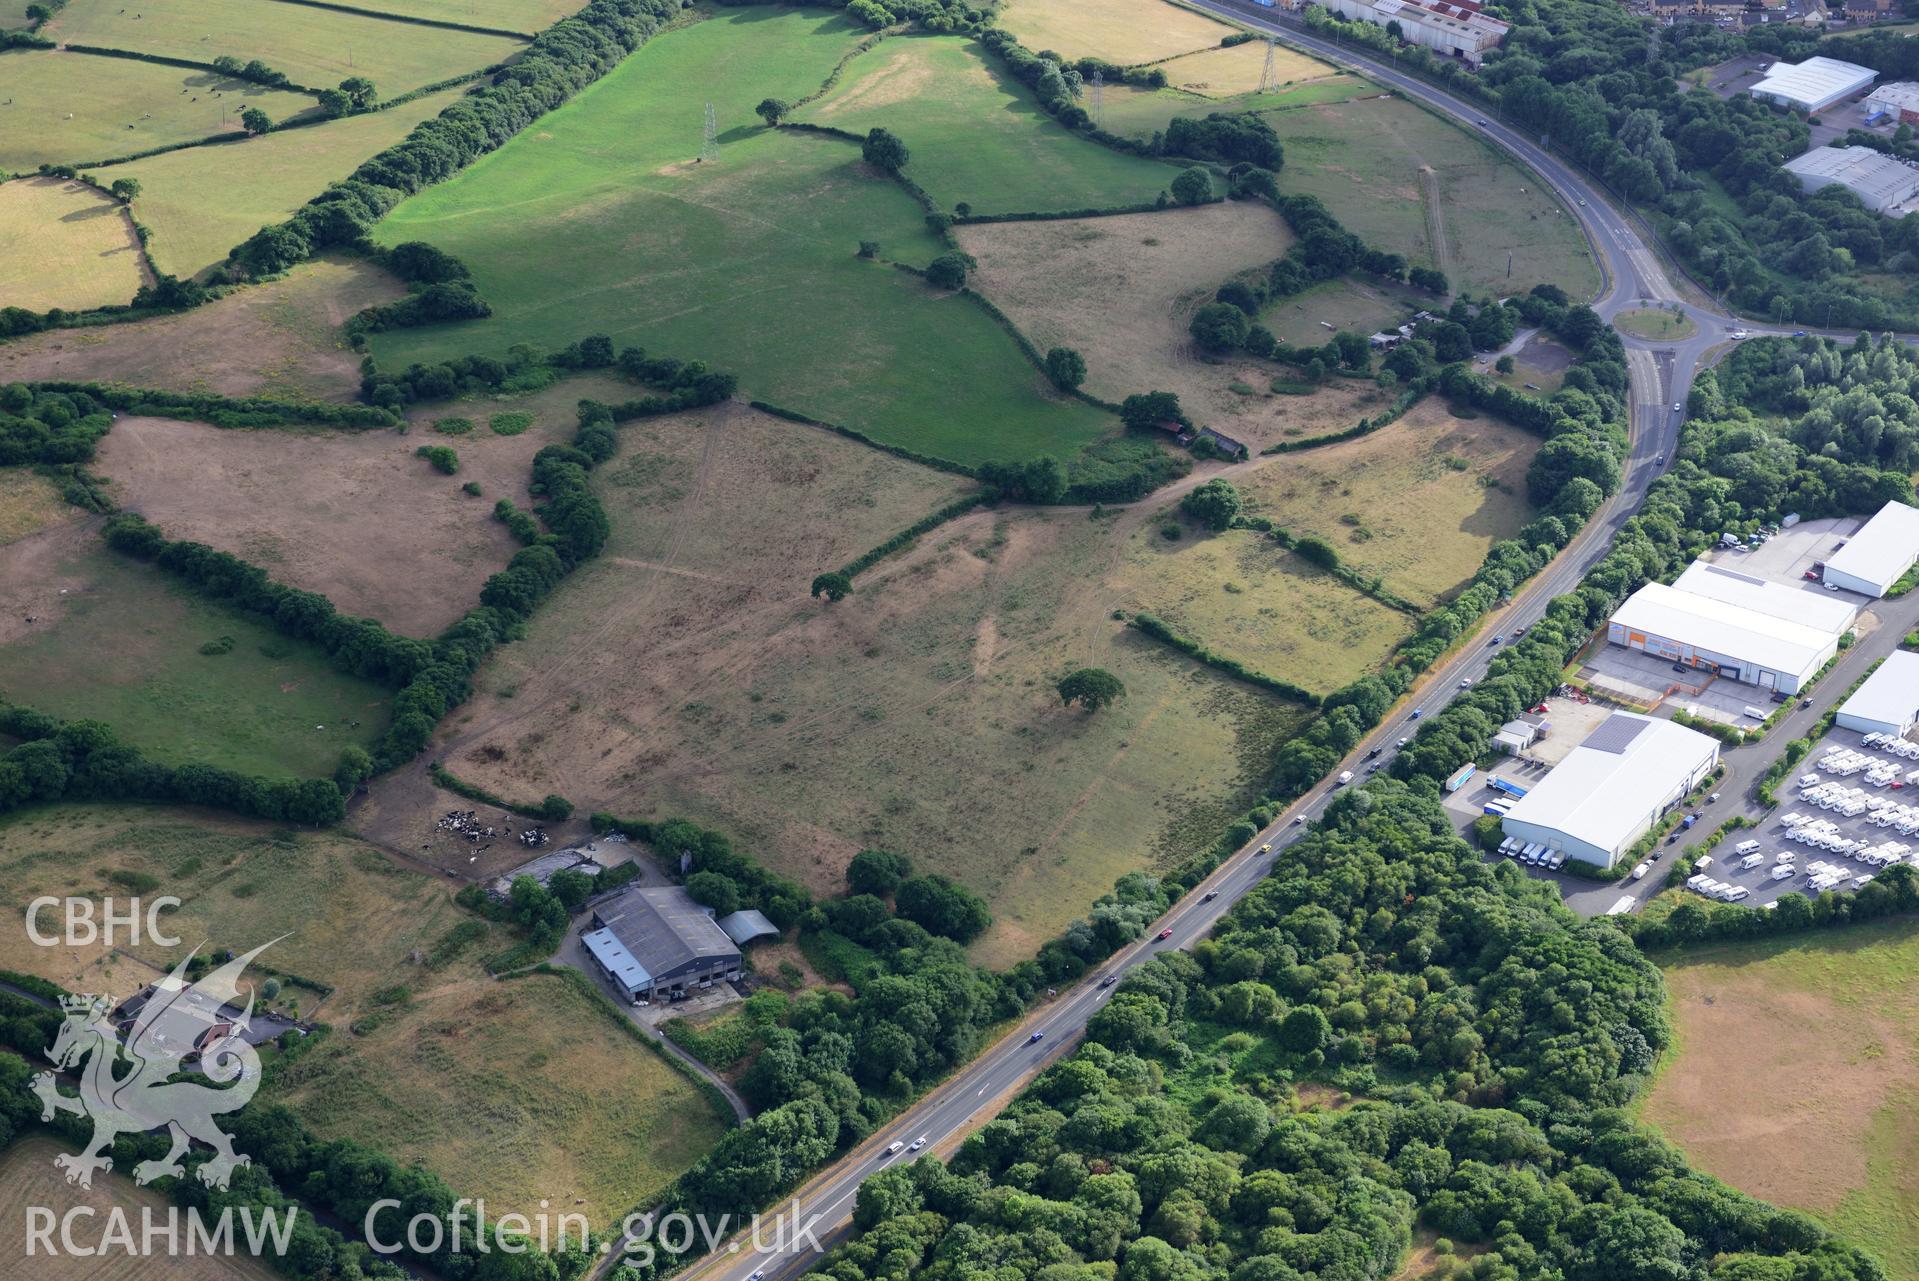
x=1165, y=934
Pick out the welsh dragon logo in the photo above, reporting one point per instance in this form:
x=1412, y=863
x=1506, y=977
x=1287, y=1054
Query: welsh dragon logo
x=131, y=1088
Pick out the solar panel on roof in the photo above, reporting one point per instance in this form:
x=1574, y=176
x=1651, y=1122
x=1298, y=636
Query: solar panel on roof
x=1615, y=734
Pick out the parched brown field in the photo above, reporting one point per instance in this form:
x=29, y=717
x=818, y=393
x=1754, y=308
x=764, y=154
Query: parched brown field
x=30, y=503
x=66, y=246
x=346, y=915
x=519, y=1092
x=28, y=1176
x=1792, y=1079
x=1225, y=73
x=279, y=339
x=1250, y=599
x=1121, y=292
x=688, y=672
x=1363, y=306
x=353, y=515
x=1119, y=31
x=1424, y=521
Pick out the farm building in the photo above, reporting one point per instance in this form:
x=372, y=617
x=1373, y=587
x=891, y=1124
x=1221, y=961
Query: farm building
x=1455, y=28
x=1613, y=787
x=745, y=926
x=1812, y=85
x=1882, y=182
x=1722, y=637
x=1888, y=700
x=656, y=944
x=1807, y=605
x=1879, y=554
x=1898, y=100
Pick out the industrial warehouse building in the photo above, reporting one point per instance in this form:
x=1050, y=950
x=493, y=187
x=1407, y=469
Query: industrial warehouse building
x=1812, y=85
x=1613, y=787
x=1455, y=28
x=1735, y=626
x=1899, y=101
x=1888, y=700
x=1883, y=183
x=1879, y=554
x=656, y=944
x=1823, y=610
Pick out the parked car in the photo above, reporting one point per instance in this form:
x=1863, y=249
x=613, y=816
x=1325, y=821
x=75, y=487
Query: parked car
x=1639, y=873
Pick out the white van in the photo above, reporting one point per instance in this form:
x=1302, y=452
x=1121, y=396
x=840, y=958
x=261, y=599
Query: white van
x=1639, y=873
x=1345, y=777
x=1754, y=712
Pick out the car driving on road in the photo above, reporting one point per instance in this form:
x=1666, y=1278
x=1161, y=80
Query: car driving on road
x=1164, y=934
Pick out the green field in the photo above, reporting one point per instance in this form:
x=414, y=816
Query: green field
x=1404, y=179
x=1838, y=1013
x=1136, y=112
x=1363, y=306
x=66, y=245
x=73, y=108
x=124, y=648
x=978, y=137
x=314, y=47
x=1119, y=31
x=528, y=16
x=201, y=202
x=13, y=13
x=600, y=220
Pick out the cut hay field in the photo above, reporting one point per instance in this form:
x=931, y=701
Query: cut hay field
x=75, y=108
x=687, y=672
x=281, y=339
x=976, y=136
x=13, y=14
x=598, y=220
x=28, y=1177
x=350, y=915
x=354, y=516
x=1411, y=502
x=1363, y=306
x=1230, y=73
x=66, y=245
x=1124, y=32
x=1136, y=112
x=317, y=48
x=1250, y=599
x=530, y=17
x=203, y=201
x=1396, y=174
x=30, y=503
x=520, y=1092
x=117, y=641
x=1121, y=290
x=1792, y=1079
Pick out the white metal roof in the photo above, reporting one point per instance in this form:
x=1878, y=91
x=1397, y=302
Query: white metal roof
x=1815, y=80
x=1869, y=174
x=1900, y=94
x=1762, y=640
x=1891, y=693
x=1814, y=607
x=1602, y=791
x=1883, y=548
x=612, y=953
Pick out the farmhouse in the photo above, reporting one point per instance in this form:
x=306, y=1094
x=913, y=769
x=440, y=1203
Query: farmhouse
x=1613, y=787
x=655, y=944
x=1888, y=701
x=1455, y=28
x=1812, y=85
x=1741, y=630
x=1879, y=554
x=1881, y=182
x=1898, y=100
